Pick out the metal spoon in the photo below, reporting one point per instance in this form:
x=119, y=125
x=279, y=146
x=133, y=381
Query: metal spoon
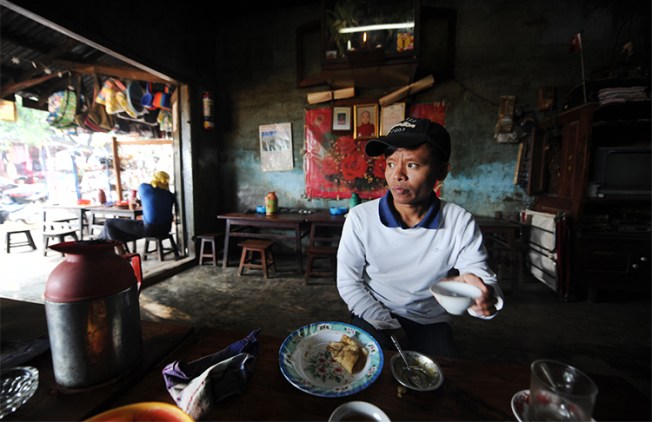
x=417, y=376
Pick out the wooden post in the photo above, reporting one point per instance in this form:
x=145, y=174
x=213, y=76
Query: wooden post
x=116, y=168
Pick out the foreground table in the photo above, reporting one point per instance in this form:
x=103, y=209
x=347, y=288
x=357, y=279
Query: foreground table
x=472, y=390
x=25, y=321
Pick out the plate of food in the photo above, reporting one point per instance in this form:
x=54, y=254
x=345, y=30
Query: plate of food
x=331, y=359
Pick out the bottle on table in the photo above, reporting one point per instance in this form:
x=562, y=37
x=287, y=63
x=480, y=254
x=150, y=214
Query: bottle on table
x=271, y=203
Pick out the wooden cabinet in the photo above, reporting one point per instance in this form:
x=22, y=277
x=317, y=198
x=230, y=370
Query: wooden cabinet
x=609, y=237
x=614, y=262
x=385, y=43
x=560, y=161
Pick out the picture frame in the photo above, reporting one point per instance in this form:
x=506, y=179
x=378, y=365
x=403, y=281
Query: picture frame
x=365, y=120
x=391, y=115
x=341, y=119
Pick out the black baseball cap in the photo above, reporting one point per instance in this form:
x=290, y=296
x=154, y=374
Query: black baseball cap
x=411, y=133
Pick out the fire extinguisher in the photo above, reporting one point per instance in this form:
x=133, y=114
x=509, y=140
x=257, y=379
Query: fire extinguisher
x=207, y=113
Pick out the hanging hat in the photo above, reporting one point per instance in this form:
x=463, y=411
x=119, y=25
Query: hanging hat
x=110, y=97
x=134, y=95
x=147, y=99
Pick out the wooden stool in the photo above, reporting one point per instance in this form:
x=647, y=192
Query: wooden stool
x=162, y=251
x=29, y=241
x=320, y=252
x=323, y=243
x=263, y=247
x=208, y=239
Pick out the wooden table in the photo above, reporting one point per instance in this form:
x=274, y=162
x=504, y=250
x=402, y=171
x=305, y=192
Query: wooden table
x=297, y=224
x=25, y=321
x=325, y=218
x=115, y=211
x=472, y=390
x=294, y=223
x=80, y=211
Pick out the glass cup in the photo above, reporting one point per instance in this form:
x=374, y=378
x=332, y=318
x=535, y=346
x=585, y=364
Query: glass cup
x=559, y=392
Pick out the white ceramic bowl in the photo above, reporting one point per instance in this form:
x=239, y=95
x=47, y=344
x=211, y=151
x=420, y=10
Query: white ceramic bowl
x=358, y=411
x=455, y=296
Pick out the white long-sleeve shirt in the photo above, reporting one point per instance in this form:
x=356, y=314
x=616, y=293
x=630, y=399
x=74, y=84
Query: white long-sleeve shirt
x=383, y=269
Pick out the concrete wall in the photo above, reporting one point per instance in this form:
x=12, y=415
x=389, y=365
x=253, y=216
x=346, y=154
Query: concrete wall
x=503, y=47
x=248, y=58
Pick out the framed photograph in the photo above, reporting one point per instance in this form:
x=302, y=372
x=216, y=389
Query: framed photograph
x=341, y=118
x=365, y=120
x=390, y=115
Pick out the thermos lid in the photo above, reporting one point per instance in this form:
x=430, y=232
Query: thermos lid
x=91, y=270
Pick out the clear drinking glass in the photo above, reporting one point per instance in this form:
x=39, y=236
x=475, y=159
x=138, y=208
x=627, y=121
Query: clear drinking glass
x=559, y=392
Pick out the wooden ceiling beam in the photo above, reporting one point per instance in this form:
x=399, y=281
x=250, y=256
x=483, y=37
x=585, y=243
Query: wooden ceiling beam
x=12, y=88
x=120, y=72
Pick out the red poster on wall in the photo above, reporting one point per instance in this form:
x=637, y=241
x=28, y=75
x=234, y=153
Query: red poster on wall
x=336, y=165
x=435, y=111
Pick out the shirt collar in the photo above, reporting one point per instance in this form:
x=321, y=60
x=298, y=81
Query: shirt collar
x=389, y=217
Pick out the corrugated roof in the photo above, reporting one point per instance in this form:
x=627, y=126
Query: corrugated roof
x=31, y=52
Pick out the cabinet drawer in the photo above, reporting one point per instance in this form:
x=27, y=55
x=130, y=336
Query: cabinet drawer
x=615, y=256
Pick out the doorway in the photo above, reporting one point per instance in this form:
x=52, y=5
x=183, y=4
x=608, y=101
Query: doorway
x=74, y=164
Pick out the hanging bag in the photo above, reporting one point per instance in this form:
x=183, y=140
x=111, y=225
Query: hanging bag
x=162, y=99
x=98, y=120
x=83, y=102
x=62, y=108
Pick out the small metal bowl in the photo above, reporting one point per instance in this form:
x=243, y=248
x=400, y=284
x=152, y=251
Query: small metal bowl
x=431, y=368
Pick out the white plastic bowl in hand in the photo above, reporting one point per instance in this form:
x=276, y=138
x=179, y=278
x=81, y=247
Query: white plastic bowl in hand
x=455, y=296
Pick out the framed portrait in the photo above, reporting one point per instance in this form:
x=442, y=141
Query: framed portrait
x=390, y=115
x=365, y=120
x=341, y=118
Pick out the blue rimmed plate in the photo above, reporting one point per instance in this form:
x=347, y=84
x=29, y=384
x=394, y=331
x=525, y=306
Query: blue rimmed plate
x=306, y=363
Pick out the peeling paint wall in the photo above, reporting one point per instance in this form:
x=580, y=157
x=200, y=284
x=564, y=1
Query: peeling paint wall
x=503, y=47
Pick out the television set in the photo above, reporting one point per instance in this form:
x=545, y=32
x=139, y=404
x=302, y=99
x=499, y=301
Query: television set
x=621, y=172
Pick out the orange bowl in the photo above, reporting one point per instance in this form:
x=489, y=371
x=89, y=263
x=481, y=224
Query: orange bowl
x=144, y=411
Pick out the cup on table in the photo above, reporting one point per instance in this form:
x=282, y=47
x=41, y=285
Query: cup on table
x=559, y=392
